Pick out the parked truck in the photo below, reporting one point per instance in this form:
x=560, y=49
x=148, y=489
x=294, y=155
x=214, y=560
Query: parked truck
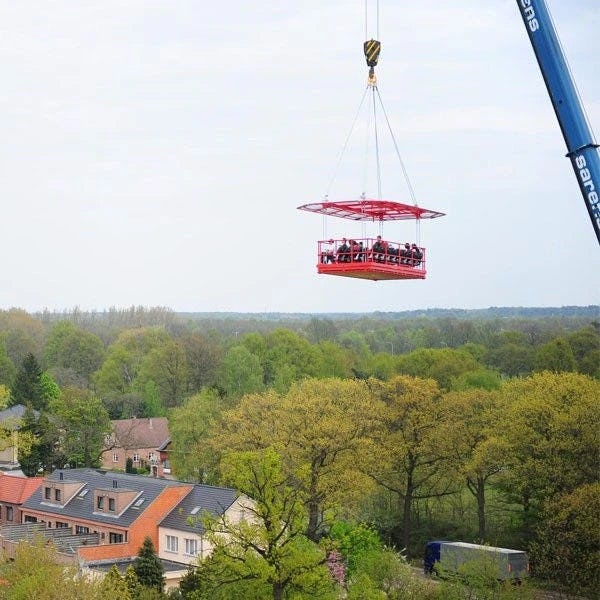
x=443, y=556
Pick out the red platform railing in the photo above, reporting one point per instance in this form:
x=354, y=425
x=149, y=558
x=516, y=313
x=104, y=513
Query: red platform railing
x=366, y=259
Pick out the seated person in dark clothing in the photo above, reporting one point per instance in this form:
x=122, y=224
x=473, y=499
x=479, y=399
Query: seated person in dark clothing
x=406, y=255
x=361, y=256
x=393, y=255
x=417, y=255
x=343, y=252
x=379, y=250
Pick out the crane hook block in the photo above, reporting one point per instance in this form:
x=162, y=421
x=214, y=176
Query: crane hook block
x=372, y=49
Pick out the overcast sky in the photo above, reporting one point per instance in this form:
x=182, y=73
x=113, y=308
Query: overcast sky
x=154, y=153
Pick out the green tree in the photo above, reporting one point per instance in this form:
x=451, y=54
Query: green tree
x=124, y=358
x=39, y=449
x=148, y=568
x=190, y=425
x=469, y=433
x=241, y=373
x=555, y=356
x=21, y=333
x=114, y=586
x=203, y=357
x=567, y=545
x=83, y=423
x=4, y=396
x=134, y=587
x=153, y=405
x=585, y=344
x=166, y=365
x=441, y=364
x=553, y=437
x=37, y=572
x=7, y=368
x=27, y=388
x=511, y=359
x=406, y=457
x=48, y=387
x=334, y=361
x=354, y=541
x=289, y=353
x=319, y=425
x=69, y=347
x=270, y=546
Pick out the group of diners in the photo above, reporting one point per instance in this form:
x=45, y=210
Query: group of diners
x=381, y=252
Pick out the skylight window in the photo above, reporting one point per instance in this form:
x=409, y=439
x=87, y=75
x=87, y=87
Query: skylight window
x=83, y=493
x=195, y=510
x=139, y=502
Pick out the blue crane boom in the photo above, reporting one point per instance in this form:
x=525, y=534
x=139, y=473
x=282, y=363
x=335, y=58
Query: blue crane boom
x=582, y=149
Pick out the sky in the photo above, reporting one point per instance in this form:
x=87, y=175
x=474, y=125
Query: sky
x=155, y=153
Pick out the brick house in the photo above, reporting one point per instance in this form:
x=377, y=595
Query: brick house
x=14, y=491
x=144, y=441
x=105, y=516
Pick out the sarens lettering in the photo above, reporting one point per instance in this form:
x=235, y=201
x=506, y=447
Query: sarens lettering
x=585, y=177
x=529, y=13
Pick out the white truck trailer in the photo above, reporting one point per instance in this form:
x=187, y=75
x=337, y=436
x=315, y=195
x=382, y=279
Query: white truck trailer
x=450, y=556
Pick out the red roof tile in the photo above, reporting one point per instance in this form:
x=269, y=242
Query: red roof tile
x=15, y=489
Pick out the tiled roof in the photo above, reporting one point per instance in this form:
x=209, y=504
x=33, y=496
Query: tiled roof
x=81, y=506
x=202, y=498
x=141, y=433
x=15, y=490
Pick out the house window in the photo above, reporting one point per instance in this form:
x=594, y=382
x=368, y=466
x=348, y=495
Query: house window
x=81, y=529
x=172, y=543
x=100, y=503
x=191, y=547
x=61, y=525
x=47, y=493
x=9, y=513
x=115, y=457
x=111, y=504
x=136, y=458
x=115, y=538
x=152, y=457
x=29, y=519
x=57, y=495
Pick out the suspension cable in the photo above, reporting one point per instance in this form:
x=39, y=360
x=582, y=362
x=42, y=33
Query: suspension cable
x=377, y=161
x=367, y=18
x=404, y=171
x=343, y=151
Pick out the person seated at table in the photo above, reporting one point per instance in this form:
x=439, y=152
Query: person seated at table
x=379, y=249
x=417, y=255
x=405, y=254
x=343, y=252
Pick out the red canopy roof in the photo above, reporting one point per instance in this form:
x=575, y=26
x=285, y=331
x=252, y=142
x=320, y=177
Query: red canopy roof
x=371, y=210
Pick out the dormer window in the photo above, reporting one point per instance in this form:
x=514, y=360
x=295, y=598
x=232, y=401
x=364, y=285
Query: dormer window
x=100, y=503
x=48, y=493
x=111, y=504
x=57, y=495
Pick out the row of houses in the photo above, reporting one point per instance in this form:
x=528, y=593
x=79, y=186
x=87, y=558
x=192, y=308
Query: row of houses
x=145, y=442
x=97, y=518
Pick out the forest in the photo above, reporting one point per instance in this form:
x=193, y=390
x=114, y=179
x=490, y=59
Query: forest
x=462, y=425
